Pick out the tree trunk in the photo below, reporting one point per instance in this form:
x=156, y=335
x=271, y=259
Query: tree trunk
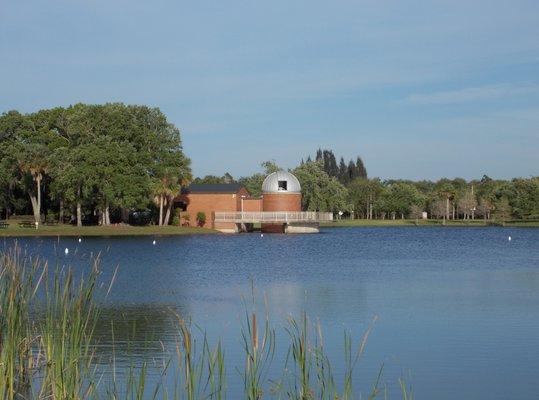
x=170, y=203
x=453, y=212
x=79, y=214
x=447, y=208
x=161, y=210
x=107, y=214
x=61, y=212
x=38, y=184
x=34, y=202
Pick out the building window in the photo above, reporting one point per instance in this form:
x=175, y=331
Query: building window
x=282, y=185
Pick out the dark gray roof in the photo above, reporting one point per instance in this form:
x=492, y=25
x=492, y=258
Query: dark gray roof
x=213, y=188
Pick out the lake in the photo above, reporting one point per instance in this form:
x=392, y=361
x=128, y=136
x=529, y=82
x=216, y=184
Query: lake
x=457, y=308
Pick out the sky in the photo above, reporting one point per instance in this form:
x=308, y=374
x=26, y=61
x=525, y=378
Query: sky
x=418, y=89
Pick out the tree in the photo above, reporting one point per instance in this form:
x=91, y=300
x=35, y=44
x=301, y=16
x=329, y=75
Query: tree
x=270, y=167
x=502, y=209
x=320, y=191
x=416, y=212
x=32, y=161
x=364, y=195
x=484, y=208
x=467, y=204
x=399, y=197
x=524, y=195
x=446, y=190
x=438, y=209
x=253, y=183
x=171, y=175
x=344, y=178
x=227, y=178
x=361, y=170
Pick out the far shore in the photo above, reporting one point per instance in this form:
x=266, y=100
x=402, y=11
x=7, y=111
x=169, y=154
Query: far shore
x=14, y=230
x=114, y=230
x=430, y=222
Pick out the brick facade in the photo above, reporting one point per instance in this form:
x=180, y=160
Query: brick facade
x=279, y=202
x=209, y=203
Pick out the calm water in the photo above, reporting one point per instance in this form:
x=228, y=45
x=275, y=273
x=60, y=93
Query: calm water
x=458, y=308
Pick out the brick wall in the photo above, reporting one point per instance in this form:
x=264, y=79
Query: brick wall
x=252, y=204
x=209, y=203
x=281, y=202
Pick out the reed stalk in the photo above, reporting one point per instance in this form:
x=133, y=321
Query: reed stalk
x=259, y=351
x=47, y=349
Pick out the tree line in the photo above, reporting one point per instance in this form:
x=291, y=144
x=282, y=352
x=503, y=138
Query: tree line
x=90, y=163
x=96, y=163
x=345, y=187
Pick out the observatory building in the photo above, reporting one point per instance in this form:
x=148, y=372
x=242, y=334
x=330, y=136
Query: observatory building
x=230, y=207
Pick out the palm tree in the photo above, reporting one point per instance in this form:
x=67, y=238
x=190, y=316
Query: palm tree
x=447, y=191
x=166, y=188
x=33, y=160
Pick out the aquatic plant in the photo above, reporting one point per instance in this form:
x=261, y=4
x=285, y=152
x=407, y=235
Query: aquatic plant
x=48, y=349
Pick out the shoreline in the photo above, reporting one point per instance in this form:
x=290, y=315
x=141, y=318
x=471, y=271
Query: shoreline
x=126, y=230
x=68, y=230
x=428, y=223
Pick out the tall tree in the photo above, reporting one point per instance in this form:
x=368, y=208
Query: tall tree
x=361, y=170
x=321, y=192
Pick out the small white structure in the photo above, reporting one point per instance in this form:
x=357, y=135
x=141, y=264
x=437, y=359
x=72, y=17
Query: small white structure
x=424, y=215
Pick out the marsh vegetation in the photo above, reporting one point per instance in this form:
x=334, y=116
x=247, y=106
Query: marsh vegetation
x=49, y=349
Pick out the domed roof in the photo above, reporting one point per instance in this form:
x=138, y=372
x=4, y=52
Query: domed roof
x=281, y=182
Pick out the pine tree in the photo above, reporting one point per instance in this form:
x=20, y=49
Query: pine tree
x=361, y=170
x=343, y=172
x=352, y=171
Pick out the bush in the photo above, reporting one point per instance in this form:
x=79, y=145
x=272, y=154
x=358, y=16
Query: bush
x=176, y=218
x=201, y=218
x=186, y=219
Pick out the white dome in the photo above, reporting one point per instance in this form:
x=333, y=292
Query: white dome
x=281, y=182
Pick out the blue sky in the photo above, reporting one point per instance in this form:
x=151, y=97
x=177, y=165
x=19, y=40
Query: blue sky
x=419, y=89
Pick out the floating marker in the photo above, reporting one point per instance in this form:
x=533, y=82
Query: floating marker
x=509, y=238
x=80, y=240
x=66, y=251
x=153, y=242
x=261, y=235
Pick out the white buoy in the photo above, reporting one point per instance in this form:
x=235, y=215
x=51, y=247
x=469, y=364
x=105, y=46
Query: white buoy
x=153, y=242
x=261, y=235
x=66, y=251
x=80, y=240
x=509, y=238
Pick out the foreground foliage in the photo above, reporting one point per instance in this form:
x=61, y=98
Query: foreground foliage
x=48, y=349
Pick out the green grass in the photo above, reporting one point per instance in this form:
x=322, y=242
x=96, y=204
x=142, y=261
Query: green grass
x=429, y=222
x=119, y=230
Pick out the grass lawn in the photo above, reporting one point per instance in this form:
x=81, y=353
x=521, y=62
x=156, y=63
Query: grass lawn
x=412, y=222
x=120, y=230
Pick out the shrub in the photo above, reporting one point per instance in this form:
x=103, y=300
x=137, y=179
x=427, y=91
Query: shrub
x=176, y=218
x=186, y=219
x=201, y=218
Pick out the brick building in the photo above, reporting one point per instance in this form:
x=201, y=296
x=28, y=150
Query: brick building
x=230, y=207
x=210, y=198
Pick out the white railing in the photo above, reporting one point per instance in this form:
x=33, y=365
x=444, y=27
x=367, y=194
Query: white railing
x=273, y=216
